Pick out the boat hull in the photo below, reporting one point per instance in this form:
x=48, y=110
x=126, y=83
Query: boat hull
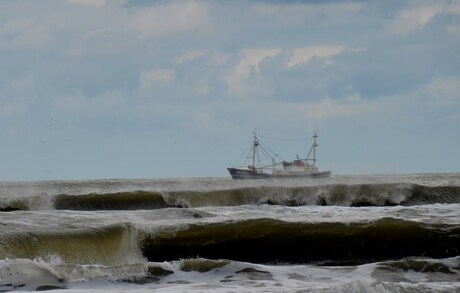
x=237, y=173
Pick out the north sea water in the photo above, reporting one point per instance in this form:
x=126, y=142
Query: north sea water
x=372, y=233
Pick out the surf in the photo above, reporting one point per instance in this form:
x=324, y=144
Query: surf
x=352, y=195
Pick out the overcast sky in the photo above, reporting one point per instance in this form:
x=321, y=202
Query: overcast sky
x=157, y=89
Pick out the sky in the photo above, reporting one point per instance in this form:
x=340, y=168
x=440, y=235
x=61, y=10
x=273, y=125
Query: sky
x=99, y=89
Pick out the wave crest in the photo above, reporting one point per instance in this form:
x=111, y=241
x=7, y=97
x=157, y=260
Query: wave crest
x=326, y=195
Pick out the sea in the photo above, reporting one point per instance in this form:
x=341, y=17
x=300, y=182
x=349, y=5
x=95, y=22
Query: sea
x=372, y=233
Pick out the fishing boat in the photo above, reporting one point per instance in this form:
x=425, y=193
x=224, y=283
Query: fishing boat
x=298, y=168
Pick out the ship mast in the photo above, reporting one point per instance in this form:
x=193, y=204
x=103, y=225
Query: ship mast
x=313, y=149
x=315, y=136
x=255, y=144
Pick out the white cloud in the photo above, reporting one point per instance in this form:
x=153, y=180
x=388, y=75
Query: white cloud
x=304, y=55
x=190, y=55
x=442, y=91
x=437, y=99
x=148, y=80
x=249, y=63
x=329, y=109
x=411, y=20
x=24, y=33
x=251, y=59
x=171, y=18
x=438, y=93
x=220, y=58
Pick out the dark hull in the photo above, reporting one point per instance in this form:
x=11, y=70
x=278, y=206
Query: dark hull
x=251, y=174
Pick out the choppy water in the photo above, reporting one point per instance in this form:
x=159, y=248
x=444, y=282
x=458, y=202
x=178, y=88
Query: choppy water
x=381, y=233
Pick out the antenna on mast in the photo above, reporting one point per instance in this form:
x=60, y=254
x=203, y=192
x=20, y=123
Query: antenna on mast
x=313, y=149
x=255, y=144
x=315, y=136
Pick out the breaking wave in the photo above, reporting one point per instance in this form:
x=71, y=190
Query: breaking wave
x=217, y=235
x=104, y=245
x=111, y=201
x=262, y=241
x=237, y=252
x=276, y=241
x=326, y=195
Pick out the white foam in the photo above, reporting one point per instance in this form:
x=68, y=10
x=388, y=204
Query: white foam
x=24, y=274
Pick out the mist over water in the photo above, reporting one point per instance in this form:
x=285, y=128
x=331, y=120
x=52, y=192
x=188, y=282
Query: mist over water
x=380, y=233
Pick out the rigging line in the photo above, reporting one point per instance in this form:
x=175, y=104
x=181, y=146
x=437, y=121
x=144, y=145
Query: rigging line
x=257, y=158
x=272, y=151
x=248, y=149
x=265, y=153
x=270, y=158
